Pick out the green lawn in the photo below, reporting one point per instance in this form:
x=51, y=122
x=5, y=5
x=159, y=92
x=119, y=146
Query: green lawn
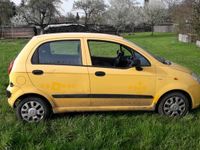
x=113, y=130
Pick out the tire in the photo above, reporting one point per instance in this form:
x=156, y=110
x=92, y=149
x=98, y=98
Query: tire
x=174, y=105
x=33, y=109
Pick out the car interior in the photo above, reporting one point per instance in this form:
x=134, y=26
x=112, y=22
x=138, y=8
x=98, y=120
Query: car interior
x=45, y=55
x=120, y=61
x=124, y=56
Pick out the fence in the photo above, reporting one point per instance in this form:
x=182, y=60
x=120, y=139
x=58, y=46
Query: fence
x=164, y=28
x=28, y=32
x=16, y=32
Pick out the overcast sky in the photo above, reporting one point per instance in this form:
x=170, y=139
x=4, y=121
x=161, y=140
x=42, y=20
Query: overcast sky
x=67, y=5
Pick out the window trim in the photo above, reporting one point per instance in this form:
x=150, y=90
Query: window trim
x=120, y=45
x=37, y=53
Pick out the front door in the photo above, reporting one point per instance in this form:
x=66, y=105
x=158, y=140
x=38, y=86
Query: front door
x=113, y=82
x=56, y=69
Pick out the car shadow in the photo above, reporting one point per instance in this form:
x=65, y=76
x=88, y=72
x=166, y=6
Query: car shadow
x=108, y=113
x=194, y=113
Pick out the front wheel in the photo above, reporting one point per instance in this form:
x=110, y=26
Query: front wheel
x=32, y=109
x=174, y=105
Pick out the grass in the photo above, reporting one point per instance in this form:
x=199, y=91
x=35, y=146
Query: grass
x=112, y=130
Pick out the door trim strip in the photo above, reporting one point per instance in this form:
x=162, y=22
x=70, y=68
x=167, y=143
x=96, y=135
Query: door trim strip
x=102, y=96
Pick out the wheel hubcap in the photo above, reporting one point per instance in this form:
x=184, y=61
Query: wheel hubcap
x=174, y=106
x=32, y=111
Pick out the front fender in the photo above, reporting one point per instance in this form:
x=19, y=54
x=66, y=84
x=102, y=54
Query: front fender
x=173, y=87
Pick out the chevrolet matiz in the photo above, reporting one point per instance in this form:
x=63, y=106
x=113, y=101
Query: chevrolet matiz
x=78, y=72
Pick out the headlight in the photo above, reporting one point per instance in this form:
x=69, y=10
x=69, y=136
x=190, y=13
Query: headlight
x=196, y=77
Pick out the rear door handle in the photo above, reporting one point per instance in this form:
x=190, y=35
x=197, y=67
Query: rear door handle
x=100, y=73
x=38, y=72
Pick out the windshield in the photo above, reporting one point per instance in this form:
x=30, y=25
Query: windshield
x=160, y=59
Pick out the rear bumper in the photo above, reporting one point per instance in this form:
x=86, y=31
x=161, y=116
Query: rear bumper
x=8, y=94
x=12, y=94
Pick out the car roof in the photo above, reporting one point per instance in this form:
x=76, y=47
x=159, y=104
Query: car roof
x=78, y=35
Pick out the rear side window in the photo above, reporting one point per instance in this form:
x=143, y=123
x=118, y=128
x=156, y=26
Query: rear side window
x=58, y=53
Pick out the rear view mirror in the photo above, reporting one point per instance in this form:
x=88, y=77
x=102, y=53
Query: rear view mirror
x=138, y=65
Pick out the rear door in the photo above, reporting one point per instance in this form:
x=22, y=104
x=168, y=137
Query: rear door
x=57, y=69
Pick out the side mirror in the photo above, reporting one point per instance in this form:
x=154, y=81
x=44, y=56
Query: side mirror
x=138, y=65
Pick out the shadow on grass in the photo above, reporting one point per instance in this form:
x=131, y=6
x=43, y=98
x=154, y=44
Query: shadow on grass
x=193, y=114
x=109, y=113
x=195, y=111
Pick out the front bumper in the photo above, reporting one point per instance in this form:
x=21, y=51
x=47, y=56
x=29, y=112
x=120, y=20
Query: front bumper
x=195, y=95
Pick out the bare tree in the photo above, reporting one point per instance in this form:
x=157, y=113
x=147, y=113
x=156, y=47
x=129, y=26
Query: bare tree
x=121, y=13
x=171, y=6
x=182, y=16
x=39, y=12
x=196, y=17
x=7, y=11
x=154, y=14
x=70, y=17
x=77, y=17
x=91, y=8
x=171, y=3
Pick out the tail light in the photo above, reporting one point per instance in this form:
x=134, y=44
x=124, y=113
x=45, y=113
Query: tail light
x=10, y=66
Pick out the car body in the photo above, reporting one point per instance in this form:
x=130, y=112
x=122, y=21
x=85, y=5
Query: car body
x=72, y=72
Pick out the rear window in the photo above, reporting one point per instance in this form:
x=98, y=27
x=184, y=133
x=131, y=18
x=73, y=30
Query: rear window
x=58, y=53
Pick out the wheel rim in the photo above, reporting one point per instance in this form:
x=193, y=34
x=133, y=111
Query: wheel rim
x=32, y=111
x=174, y=106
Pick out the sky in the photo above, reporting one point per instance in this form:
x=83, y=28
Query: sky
x=67, y=5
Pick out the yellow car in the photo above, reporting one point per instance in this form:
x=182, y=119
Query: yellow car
x=78, y=72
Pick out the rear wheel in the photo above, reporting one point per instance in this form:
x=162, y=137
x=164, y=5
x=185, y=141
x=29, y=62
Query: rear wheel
x=174, y=105
x=32, y=109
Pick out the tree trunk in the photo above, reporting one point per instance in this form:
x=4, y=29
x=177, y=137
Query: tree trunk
x=41, y=30
x=118, y=31
x=1, y=31
x=152, y=29
x=86, y=19
x=133, y=29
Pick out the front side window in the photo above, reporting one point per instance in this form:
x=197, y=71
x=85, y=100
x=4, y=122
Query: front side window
x=58, y=53
x=114, y=55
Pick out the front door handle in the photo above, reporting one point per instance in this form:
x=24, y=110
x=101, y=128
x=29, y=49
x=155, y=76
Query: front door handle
x=38, y=72
x=100, y=73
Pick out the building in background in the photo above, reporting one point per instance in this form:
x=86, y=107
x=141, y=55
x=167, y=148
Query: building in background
x=153, y=2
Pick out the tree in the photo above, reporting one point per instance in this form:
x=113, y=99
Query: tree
x=171, y=6
x=135, y=17
x=40, y=12
x=22, y=2
x=171, y=3
x=122, y=13
x=182, y=16
x=91, y=8
x=77, y=17
x=7, y=11
x=154, y=14
x=70, y=17
x=196, y=16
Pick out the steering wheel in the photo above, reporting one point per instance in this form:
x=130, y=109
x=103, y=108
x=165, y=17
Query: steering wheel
x=131, y=60
x=120, y=54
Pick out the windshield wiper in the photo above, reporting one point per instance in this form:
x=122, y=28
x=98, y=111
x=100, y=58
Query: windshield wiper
x=164, y=61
